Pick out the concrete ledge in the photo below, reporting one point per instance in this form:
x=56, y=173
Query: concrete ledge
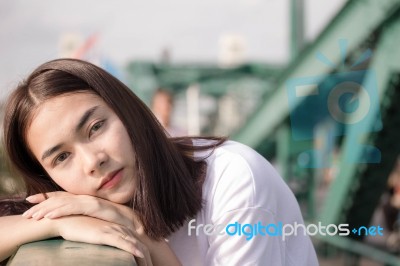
x=61, y=252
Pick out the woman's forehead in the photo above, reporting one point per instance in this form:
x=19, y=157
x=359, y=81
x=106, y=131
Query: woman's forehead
x=66, y=106
x=68, y=102
x=58, y=117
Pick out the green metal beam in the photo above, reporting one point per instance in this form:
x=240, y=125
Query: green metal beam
x=354, y=23
x=145, y=77
x=357, y=247
x=385, y=62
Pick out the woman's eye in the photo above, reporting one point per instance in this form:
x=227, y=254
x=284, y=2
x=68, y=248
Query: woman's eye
x=96, y=127
x=62, y=157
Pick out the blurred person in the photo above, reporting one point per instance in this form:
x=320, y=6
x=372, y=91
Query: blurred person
x=391, y=207
x=99, y=168
x=162, y=105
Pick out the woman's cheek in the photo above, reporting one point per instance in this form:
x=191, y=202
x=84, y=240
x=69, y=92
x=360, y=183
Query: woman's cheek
x=67, y=179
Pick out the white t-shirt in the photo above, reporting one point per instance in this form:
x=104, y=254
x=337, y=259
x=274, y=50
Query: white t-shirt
x=241, y=186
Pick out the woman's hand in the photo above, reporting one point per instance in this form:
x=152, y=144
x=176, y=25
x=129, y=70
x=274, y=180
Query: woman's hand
x=95, y=231
x=60, y=204
x=64, y=205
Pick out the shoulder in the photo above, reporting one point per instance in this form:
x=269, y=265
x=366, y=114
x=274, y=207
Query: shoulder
x=238, y=177
x=243, y=188
x=244, y=156
x=236, y=162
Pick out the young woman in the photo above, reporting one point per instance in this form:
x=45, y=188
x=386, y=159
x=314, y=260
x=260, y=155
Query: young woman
x=99, y=168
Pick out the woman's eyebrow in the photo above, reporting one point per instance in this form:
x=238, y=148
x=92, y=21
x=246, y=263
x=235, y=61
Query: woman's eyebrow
x=50, y=151
x=85, y=117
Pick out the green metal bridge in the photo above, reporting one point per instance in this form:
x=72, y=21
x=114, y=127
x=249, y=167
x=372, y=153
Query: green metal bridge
x=359, y=46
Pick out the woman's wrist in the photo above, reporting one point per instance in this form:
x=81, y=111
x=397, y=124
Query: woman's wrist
x=56, y=227
x=35, y=230
x=92, y=205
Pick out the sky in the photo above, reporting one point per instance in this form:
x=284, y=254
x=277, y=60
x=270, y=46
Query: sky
x=30, y=31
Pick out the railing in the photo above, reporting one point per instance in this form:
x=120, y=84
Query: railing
x=61, y=252
x=360, y=249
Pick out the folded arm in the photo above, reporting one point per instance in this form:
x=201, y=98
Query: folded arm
x=64, y=204
x=15, y=231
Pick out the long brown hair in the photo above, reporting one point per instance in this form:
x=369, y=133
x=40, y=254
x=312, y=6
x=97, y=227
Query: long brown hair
x=169, y=181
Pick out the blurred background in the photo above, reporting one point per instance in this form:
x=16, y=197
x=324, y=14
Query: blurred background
x=311, y=85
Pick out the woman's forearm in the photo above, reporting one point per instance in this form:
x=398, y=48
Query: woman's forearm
x=85, y=210
x=16, y=231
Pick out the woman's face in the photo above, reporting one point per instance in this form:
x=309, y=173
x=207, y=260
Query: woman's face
x=84, y=147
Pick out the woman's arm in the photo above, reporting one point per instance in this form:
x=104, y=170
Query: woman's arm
x=61, y=204
x=17, y=230
x=64, y=204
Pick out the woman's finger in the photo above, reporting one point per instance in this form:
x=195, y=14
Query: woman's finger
x=63, y=204
x=37, y=198
x=65, y=210
x=31, y=212
x=121, y=240
x=129, y=238
x=45, y=208
x=41, y=209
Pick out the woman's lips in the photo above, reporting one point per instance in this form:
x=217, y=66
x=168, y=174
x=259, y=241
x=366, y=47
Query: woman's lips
x=113, y=181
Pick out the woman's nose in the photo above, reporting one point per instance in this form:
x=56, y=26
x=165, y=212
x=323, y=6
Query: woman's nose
x=94, y=161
